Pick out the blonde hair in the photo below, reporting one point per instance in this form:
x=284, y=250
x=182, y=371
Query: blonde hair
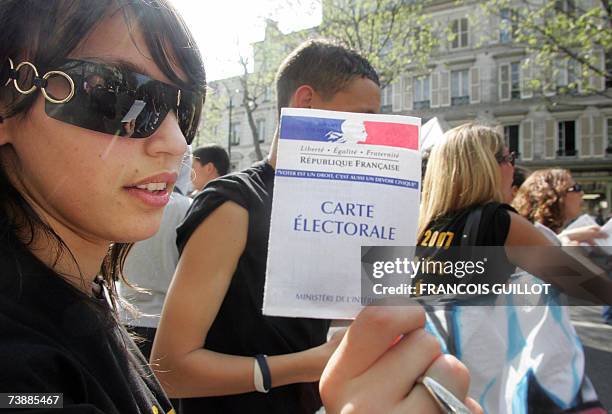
x=462, y=171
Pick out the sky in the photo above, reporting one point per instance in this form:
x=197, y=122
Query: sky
x=225, y=28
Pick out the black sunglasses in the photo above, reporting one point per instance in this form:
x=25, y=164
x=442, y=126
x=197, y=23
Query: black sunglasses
x=510, y=158
x=110, y=99
x=576, y=188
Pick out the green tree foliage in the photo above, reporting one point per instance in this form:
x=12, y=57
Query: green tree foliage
x=210, y=124
x=564, y=39
x=393, y=35
x=257, y=85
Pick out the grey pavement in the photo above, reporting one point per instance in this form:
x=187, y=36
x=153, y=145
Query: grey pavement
x=596, y=339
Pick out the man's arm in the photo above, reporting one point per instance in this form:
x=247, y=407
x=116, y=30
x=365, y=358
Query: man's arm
x=201, y=281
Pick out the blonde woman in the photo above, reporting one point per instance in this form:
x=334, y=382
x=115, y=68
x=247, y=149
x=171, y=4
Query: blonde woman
x=467, y=183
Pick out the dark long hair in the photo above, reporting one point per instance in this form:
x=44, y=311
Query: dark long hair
x=44, y=33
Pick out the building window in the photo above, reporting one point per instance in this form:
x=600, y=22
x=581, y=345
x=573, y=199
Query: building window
x=565, y=75
x=566, y=138
x=459, y=29
x=608, y=70
x=515, y=80
x=510, y=81
x=386, y=99
x=460, y=94
x=422, y=93
x=261, y=129
x=609, y=129
x=235, y=133
x=267, y=94
x=507, y=25
x=511, y=137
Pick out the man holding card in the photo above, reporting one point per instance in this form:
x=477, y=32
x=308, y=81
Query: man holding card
x=218, y=359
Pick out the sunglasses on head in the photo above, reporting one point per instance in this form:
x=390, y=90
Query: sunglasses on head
x=510, y=158
x=576, y=188
x=112, y=99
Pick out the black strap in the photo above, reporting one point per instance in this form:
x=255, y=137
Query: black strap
x=265, y=371
x=40, y=82
x=472, y=225
x=468, y=238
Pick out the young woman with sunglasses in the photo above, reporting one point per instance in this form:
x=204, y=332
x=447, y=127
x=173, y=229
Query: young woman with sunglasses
x=468, y=207
x=98, y=99
x=95, y=116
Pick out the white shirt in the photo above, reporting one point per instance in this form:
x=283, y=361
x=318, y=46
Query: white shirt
x=151, y=264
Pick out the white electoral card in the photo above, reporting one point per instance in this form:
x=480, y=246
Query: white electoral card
x=343, y=180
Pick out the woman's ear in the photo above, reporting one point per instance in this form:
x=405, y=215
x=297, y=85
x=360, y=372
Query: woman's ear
x=302, y=97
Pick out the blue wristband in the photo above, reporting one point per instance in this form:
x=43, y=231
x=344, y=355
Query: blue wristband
x=265, y=371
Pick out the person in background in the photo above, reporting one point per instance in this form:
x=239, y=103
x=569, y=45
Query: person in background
x=497, y=343
x=150, y=265
x=519, y=177
x=551, y=199
x=209, y=162
x=216, y=360
x=217, y=292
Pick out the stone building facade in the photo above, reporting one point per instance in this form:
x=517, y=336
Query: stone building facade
x=482, y=76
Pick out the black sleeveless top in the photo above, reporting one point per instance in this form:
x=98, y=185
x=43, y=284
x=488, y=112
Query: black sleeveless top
x=240, y=328
x=442, y=241
x=493, y=229
x=56, y=339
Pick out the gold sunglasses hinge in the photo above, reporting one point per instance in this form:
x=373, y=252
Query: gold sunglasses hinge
x=42, y=81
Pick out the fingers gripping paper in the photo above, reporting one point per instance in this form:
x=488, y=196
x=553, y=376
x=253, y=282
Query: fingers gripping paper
x=343, y=180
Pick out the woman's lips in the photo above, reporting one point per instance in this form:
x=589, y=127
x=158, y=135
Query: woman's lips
x=157, y=198
x=154, y=190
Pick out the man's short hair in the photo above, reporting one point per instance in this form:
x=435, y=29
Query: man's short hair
x=213, y=153
x=325, y=66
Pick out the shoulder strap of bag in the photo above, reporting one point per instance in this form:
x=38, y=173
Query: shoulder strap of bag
x=472, y=225
x=468, y=238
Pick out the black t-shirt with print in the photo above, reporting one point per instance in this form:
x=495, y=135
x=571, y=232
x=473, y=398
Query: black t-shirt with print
x=493, y=229
x=442, y=240
x=55, y=339
x=240, y=328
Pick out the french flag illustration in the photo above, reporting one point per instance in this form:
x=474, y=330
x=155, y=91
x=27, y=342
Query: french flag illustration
x=351, y=131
